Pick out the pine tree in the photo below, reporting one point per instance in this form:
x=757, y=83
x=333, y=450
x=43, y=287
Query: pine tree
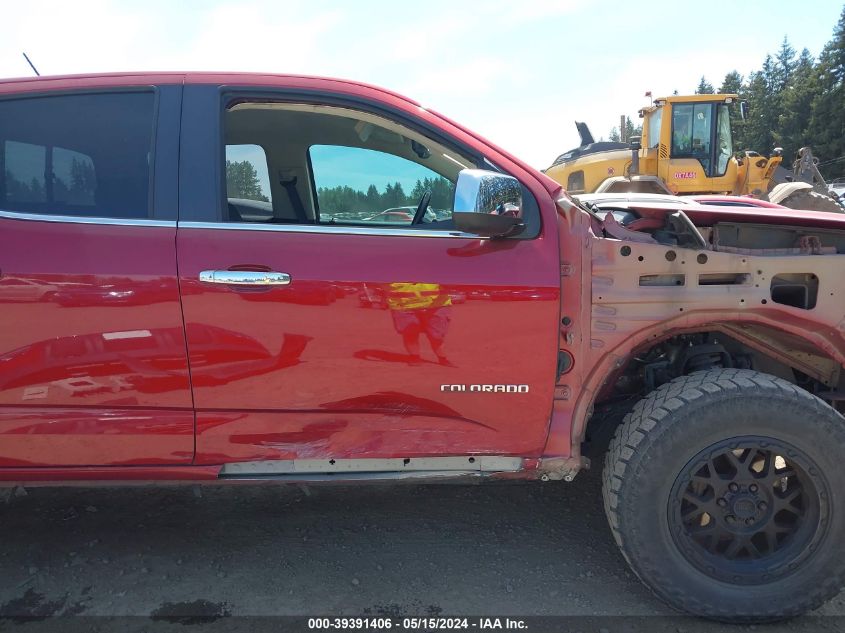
x=732, y=84
x=394, y=196
x=631, y=129
x=762, y=116
x=826, y=129
x=372, y=199
x=242, y=181
x=784, y=66
x=442, y=193
x=795, y=106
x=704, y=87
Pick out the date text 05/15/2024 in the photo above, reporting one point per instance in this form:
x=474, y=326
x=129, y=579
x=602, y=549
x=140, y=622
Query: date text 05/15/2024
x=416, y=624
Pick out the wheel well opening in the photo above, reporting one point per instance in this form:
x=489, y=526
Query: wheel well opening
x=658, y=362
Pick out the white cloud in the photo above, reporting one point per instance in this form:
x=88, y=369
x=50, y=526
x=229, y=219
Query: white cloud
x=480, y=76
x=257, y=36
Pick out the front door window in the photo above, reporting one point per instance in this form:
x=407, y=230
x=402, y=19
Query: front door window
x=356, y=185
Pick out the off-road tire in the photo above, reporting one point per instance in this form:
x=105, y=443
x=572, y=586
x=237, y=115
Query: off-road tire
x=680, y=421
x=810, y=200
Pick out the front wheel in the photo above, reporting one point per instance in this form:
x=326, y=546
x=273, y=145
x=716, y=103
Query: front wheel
x=725, y=491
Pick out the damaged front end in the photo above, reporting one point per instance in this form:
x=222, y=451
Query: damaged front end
x=760, y=286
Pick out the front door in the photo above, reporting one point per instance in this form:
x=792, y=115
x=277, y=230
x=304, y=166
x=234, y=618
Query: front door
x=333, y=311
x=93, y=367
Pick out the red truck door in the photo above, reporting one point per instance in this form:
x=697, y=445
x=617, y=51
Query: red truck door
x=321, y=321
x=93, y=367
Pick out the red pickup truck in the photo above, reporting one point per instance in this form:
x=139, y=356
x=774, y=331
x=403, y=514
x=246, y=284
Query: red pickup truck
x=182, y=264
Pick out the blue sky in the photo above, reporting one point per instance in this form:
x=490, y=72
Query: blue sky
x=519, y=73
x=359, y=168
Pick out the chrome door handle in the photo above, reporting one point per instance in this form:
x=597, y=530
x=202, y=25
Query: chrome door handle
x=244, y=278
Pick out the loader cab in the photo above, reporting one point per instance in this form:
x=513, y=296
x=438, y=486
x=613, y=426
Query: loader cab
x=702, y=131
x=690, y=139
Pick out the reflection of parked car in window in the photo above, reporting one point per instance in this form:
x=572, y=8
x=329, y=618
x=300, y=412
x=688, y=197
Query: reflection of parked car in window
x=402, y=215
x=398, y=215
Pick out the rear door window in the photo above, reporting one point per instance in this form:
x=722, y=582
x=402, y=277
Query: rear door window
x=77, y=155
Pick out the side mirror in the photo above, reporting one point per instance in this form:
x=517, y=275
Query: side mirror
x=743, y=110
x=488, y=203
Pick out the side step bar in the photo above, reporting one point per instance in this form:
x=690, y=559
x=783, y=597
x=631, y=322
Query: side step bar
x=359, y=469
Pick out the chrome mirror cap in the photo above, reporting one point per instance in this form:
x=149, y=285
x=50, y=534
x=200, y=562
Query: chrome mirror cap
x=488, y=203
x=482, y=191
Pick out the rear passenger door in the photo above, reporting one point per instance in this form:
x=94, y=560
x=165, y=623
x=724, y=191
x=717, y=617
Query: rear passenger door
x=93, y=368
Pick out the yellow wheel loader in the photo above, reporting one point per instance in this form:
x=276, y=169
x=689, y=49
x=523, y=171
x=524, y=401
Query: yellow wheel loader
x=687, y=148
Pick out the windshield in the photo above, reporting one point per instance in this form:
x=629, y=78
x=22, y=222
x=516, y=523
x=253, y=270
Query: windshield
x=693, y=135
x=691, y=129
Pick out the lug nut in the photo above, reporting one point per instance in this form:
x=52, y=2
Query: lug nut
x=730, y=518
x=734, y=487
x=762, y=505
x=721, y=503
x=749, y=521
x=753, y=488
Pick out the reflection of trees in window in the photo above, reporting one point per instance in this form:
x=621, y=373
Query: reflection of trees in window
x=82, y=186
x=242, y=181
x=83, y=181
x=77, y=187
x=20, y=191
x=442, y=192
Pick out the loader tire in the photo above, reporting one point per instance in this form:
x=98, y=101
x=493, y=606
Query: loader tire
x=809, y=200
x=725, y=491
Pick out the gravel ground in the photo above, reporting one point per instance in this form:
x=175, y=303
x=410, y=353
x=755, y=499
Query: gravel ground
x=179, y=553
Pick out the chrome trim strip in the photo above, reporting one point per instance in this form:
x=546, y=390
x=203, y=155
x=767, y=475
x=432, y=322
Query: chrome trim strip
x=468, y=463
x=234, y=226
x=336, y=230
x=244, y=278
x=72, y=219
